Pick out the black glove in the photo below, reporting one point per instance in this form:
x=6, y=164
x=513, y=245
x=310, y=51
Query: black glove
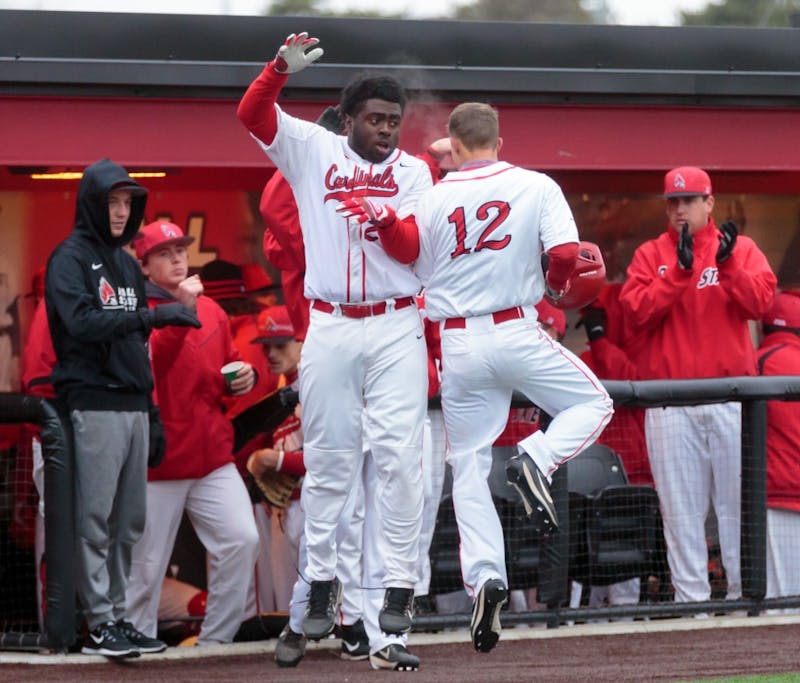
x=727, y=241
x=158, y=441
x=173, y=313
x=595, y=321
x=685, y=253
x=289, y=398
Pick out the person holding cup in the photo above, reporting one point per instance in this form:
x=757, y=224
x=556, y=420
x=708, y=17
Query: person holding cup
x=193, y=370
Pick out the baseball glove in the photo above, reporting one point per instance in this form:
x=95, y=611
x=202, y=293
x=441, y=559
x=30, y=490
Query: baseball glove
x=275, y=486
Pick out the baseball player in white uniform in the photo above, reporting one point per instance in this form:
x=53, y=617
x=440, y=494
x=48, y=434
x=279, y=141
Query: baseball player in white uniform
x=365, y=347
x=481, y=231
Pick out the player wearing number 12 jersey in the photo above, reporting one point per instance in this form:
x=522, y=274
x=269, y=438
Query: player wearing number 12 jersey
x=477, y=237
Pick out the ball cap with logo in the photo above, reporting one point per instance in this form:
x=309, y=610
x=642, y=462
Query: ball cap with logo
x=686, y=181
x=784, y=312
x=159, y=234
x=274, y=326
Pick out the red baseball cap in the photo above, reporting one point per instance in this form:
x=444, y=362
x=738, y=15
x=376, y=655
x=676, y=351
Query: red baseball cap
x=552, y=316
x=274, y=326
x=785, y=311
x=686, y=181
x=159, y=234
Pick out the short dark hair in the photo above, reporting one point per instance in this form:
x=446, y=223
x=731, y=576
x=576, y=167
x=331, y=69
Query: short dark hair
x=375, y=87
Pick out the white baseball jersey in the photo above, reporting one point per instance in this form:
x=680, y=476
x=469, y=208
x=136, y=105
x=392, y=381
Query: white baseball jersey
x=496, y=266
x=346, y=264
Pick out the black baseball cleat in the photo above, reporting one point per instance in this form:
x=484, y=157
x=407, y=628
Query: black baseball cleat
x=291, y=648
x=397, y=613
x=107, y=640
x=523, y=474
x=485, y=625
x=145, y=644
x=323, y=604
x=394, y=657
x=355, y=643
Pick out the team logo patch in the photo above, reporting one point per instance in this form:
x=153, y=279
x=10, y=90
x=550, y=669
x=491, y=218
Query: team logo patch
x=108, y=296
x=168, y=231
x=679, y=182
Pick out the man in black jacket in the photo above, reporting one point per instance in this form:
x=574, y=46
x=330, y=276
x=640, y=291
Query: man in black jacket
x=99, y=322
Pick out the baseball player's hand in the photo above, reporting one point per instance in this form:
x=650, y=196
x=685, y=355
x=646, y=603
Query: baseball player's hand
x=554, y=293
x=297, y=53
x=685, y=252
x=173, y=313
x=727, y=241
x=363, y=210
x=188, y=291
x=244, y=381
x=595, y=321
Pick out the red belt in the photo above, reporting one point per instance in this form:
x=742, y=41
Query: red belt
x=498, y=317
x=362, y=310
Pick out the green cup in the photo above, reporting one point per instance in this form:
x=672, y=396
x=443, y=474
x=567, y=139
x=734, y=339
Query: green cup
x=230, y=370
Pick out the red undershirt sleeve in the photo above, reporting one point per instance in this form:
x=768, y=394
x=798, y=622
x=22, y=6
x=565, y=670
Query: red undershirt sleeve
x=257, y=108
x=400, y=239
x=561, y=263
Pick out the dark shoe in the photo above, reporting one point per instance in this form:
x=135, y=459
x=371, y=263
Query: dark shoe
x=485, y=625
x=145, y=644
x=323, y=604
x=107, y=640
x=394, y=657
x=523, y=474
x=291, y=648
x=355, y=644
x=398, y=611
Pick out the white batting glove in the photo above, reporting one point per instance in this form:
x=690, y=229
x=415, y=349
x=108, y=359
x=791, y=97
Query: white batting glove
x=296, y=53
x=363, y=210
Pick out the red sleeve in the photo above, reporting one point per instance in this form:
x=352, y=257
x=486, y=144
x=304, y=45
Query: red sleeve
x=400, y=239
x=38, y=356
x=748, y=279
x=257, y=107
x=279, y=210
x=296, y=302
x=434, y=163
x=610, y=362
x=560, y=264
x=293, y=463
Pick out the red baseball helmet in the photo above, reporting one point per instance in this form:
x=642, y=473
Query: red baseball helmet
x=586, y=281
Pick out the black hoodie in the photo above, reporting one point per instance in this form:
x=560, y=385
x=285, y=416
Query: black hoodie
x=96, y=304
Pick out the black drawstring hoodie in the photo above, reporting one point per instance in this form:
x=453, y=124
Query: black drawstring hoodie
x=96, y=302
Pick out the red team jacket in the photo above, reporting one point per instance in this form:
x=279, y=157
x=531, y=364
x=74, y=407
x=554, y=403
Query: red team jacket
x=190, y=390
x=695, y=322
x=780, y=355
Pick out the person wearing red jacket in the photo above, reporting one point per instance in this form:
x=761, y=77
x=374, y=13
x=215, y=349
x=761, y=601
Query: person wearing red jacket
x=691, y=292
x=197, y=473
x=779, y=354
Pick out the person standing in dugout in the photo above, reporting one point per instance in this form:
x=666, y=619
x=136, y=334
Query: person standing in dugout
x=476, y=238
x=197, y=473
x=365, y=349
x=691, y=292
x=99, y=323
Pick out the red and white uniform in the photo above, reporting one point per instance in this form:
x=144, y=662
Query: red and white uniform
x=376, y=363
x=198, y=475
x=481, y=233
x=779, y=354
x=694, y=324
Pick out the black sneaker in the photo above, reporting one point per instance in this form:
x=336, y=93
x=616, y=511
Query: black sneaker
x=523, y=474
x=398, y=611
x=485, y=625
x=323, y=604
x=108, y=641
x=145, y=644
x=355, y=644
x=394, y=657
x=291, y=648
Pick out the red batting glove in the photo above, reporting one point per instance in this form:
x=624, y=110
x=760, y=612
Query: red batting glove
x=296, y=53
x=363, y=210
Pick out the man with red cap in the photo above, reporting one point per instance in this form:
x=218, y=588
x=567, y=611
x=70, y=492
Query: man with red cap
x=779, y=354
x=197, y=473
x=691, y=292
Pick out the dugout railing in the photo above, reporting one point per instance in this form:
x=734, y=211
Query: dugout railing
x=553, y=576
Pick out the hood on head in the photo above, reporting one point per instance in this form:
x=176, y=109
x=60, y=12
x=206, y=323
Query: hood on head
x=91, y=211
